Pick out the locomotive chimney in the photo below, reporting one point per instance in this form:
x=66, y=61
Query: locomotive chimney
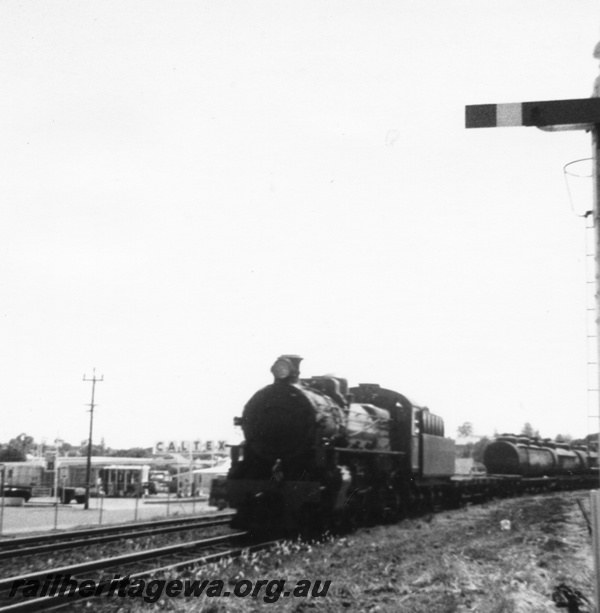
x=287, y=368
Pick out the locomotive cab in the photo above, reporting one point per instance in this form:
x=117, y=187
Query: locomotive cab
x=415, y=432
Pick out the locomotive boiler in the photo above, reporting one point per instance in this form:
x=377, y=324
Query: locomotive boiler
x=319, y=454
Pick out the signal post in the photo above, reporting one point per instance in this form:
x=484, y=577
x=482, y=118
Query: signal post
x=555, y=115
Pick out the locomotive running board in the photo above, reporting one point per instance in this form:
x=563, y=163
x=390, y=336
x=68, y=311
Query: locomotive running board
x=368, y=451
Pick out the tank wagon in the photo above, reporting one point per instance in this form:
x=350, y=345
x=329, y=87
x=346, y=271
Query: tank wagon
x=509, y=454
x=318, y=454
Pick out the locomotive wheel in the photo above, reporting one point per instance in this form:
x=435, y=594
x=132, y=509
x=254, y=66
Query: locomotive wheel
x=352, y=512
x=370, y=509
x=422, y=502
x=380, y=505
x=311, y=524
x=393, y=511
x=453, y=500
x=336, y=523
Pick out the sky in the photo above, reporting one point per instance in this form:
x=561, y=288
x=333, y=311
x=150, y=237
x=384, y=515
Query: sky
x=189, y=189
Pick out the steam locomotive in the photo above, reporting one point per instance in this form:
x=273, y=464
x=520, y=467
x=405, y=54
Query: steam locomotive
x=320, y=455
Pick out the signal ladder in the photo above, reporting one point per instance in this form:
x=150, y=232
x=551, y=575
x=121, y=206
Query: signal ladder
x=593, y=346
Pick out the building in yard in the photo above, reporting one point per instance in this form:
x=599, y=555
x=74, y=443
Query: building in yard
x=67, y=476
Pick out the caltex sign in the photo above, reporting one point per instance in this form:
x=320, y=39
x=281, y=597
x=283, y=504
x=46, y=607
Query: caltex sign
x=194, y=447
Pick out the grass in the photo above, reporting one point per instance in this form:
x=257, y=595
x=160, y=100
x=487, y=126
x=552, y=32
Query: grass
x=452, y=562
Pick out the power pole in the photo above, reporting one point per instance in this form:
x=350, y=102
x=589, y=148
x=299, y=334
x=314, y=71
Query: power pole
x=88, y=472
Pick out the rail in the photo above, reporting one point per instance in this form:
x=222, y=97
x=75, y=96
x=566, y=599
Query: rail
x=161, y=559
x=18, y=548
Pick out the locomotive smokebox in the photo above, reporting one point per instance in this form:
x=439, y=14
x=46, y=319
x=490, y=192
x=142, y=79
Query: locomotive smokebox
x=285, y=421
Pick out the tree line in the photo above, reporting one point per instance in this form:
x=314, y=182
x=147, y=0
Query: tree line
x=466, y=430
x=18, y=448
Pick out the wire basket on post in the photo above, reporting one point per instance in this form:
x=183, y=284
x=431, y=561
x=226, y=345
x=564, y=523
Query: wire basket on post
x=578, y=178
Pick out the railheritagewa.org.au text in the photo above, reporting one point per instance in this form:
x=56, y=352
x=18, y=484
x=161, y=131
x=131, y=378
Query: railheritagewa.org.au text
x=152, y=590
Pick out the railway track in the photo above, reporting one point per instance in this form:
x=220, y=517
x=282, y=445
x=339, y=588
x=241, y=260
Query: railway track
x=134, y=566
x=49, y=543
